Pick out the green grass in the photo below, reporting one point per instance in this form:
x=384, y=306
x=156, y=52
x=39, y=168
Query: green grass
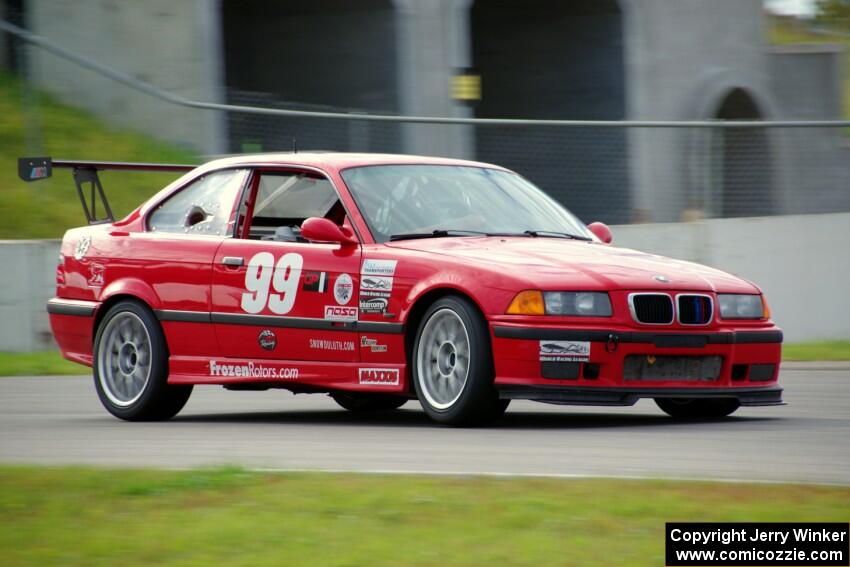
x=822, y=350
x=81, y=516
x=783, y=31
x=48, y=363
x=46, y=209
x=52, y=363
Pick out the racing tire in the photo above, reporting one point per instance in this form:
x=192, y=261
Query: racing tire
x=130, y=366
x=453, y=365
x=363, y=403
x=698, y=408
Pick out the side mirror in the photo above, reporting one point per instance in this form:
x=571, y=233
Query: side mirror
x=324, y=230
x=602, y=232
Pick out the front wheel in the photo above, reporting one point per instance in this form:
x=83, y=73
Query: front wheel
x=131, y=366
x=698, y=408
x=453, y=365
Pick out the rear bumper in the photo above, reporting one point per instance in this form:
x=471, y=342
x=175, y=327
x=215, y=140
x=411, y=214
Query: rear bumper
x=72, y=323
x=583, y=396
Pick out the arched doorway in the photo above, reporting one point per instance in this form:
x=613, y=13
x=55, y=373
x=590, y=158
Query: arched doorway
x=744, y=160
x=550, y=59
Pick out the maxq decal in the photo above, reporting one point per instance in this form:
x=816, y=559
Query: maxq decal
x=378, y=376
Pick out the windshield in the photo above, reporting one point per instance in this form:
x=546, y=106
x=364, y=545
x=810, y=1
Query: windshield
x=411, y=199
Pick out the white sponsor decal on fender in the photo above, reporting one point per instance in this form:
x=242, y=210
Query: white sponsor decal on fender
x=379, y=376
x=372, y=344
x=373, y=305
x=564, y=351
x=343, y=289
x=96, y=275
x=378, y=267
x=340, y=313
x=375, y=286
x=82, y=247
x=251, y=370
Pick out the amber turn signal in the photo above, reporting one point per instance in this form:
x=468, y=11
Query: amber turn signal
x=529, y=302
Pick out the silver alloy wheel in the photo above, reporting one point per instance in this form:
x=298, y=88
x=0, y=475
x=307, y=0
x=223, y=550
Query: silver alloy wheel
x=124, y=359
x=442, y=359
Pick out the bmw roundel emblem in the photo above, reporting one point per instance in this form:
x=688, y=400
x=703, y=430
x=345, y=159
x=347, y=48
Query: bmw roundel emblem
x=267, y=339
x=662, y=279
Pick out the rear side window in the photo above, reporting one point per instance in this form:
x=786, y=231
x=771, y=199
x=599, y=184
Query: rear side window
x=202, y=207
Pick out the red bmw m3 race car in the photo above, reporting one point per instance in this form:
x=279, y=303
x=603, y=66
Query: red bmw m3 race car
x=382, y=278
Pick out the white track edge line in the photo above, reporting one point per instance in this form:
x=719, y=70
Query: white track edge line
x=574, y=476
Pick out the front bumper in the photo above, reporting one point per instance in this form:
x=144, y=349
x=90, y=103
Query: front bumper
x=745, y=364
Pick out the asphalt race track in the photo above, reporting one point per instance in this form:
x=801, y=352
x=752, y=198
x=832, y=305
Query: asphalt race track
x=58, y=420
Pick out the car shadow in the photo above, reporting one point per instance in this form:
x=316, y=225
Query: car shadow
x=414, y=417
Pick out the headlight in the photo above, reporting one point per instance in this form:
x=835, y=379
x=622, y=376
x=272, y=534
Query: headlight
x=741, y=306
x=578, y=303
x=573, y=303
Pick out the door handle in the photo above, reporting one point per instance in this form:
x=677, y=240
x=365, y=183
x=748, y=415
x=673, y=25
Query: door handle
x=234, y=261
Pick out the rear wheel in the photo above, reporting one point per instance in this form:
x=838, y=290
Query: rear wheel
x=131, y=366
x=357, y=402
x=698, y=408
x=453, y=365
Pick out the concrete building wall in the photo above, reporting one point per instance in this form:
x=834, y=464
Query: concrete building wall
x=806, y=80
x=173, y=45
x=683, y=58
x=808, y=84
x=433, y=41
x=27, y=283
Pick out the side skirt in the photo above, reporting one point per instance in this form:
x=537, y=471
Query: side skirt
x=290, y=374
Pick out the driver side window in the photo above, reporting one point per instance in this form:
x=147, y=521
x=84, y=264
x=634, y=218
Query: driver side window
x=203, y=207
x=284, y=200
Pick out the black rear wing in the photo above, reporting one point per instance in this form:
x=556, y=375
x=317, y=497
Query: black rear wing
x=36, y=168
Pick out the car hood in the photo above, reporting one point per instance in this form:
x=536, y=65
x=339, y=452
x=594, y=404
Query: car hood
x=552, y=263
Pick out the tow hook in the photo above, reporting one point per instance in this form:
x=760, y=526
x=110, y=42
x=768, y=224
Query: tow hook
x=613, y=343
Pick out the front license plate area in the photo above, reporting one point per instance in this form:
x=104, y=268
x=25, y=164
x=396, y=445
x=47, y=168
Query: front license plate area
x=680, y=368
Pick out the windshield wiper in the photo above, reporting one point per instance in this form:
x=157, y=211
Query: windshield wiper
x=537, y=233
x=439, y=233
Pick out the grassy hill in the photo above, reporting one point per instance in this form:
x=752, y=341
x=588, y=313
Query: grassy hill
x=47, y=208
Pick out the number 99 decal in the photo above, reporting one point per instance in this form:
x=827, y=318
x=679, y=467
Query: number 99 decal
x=263, y=274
